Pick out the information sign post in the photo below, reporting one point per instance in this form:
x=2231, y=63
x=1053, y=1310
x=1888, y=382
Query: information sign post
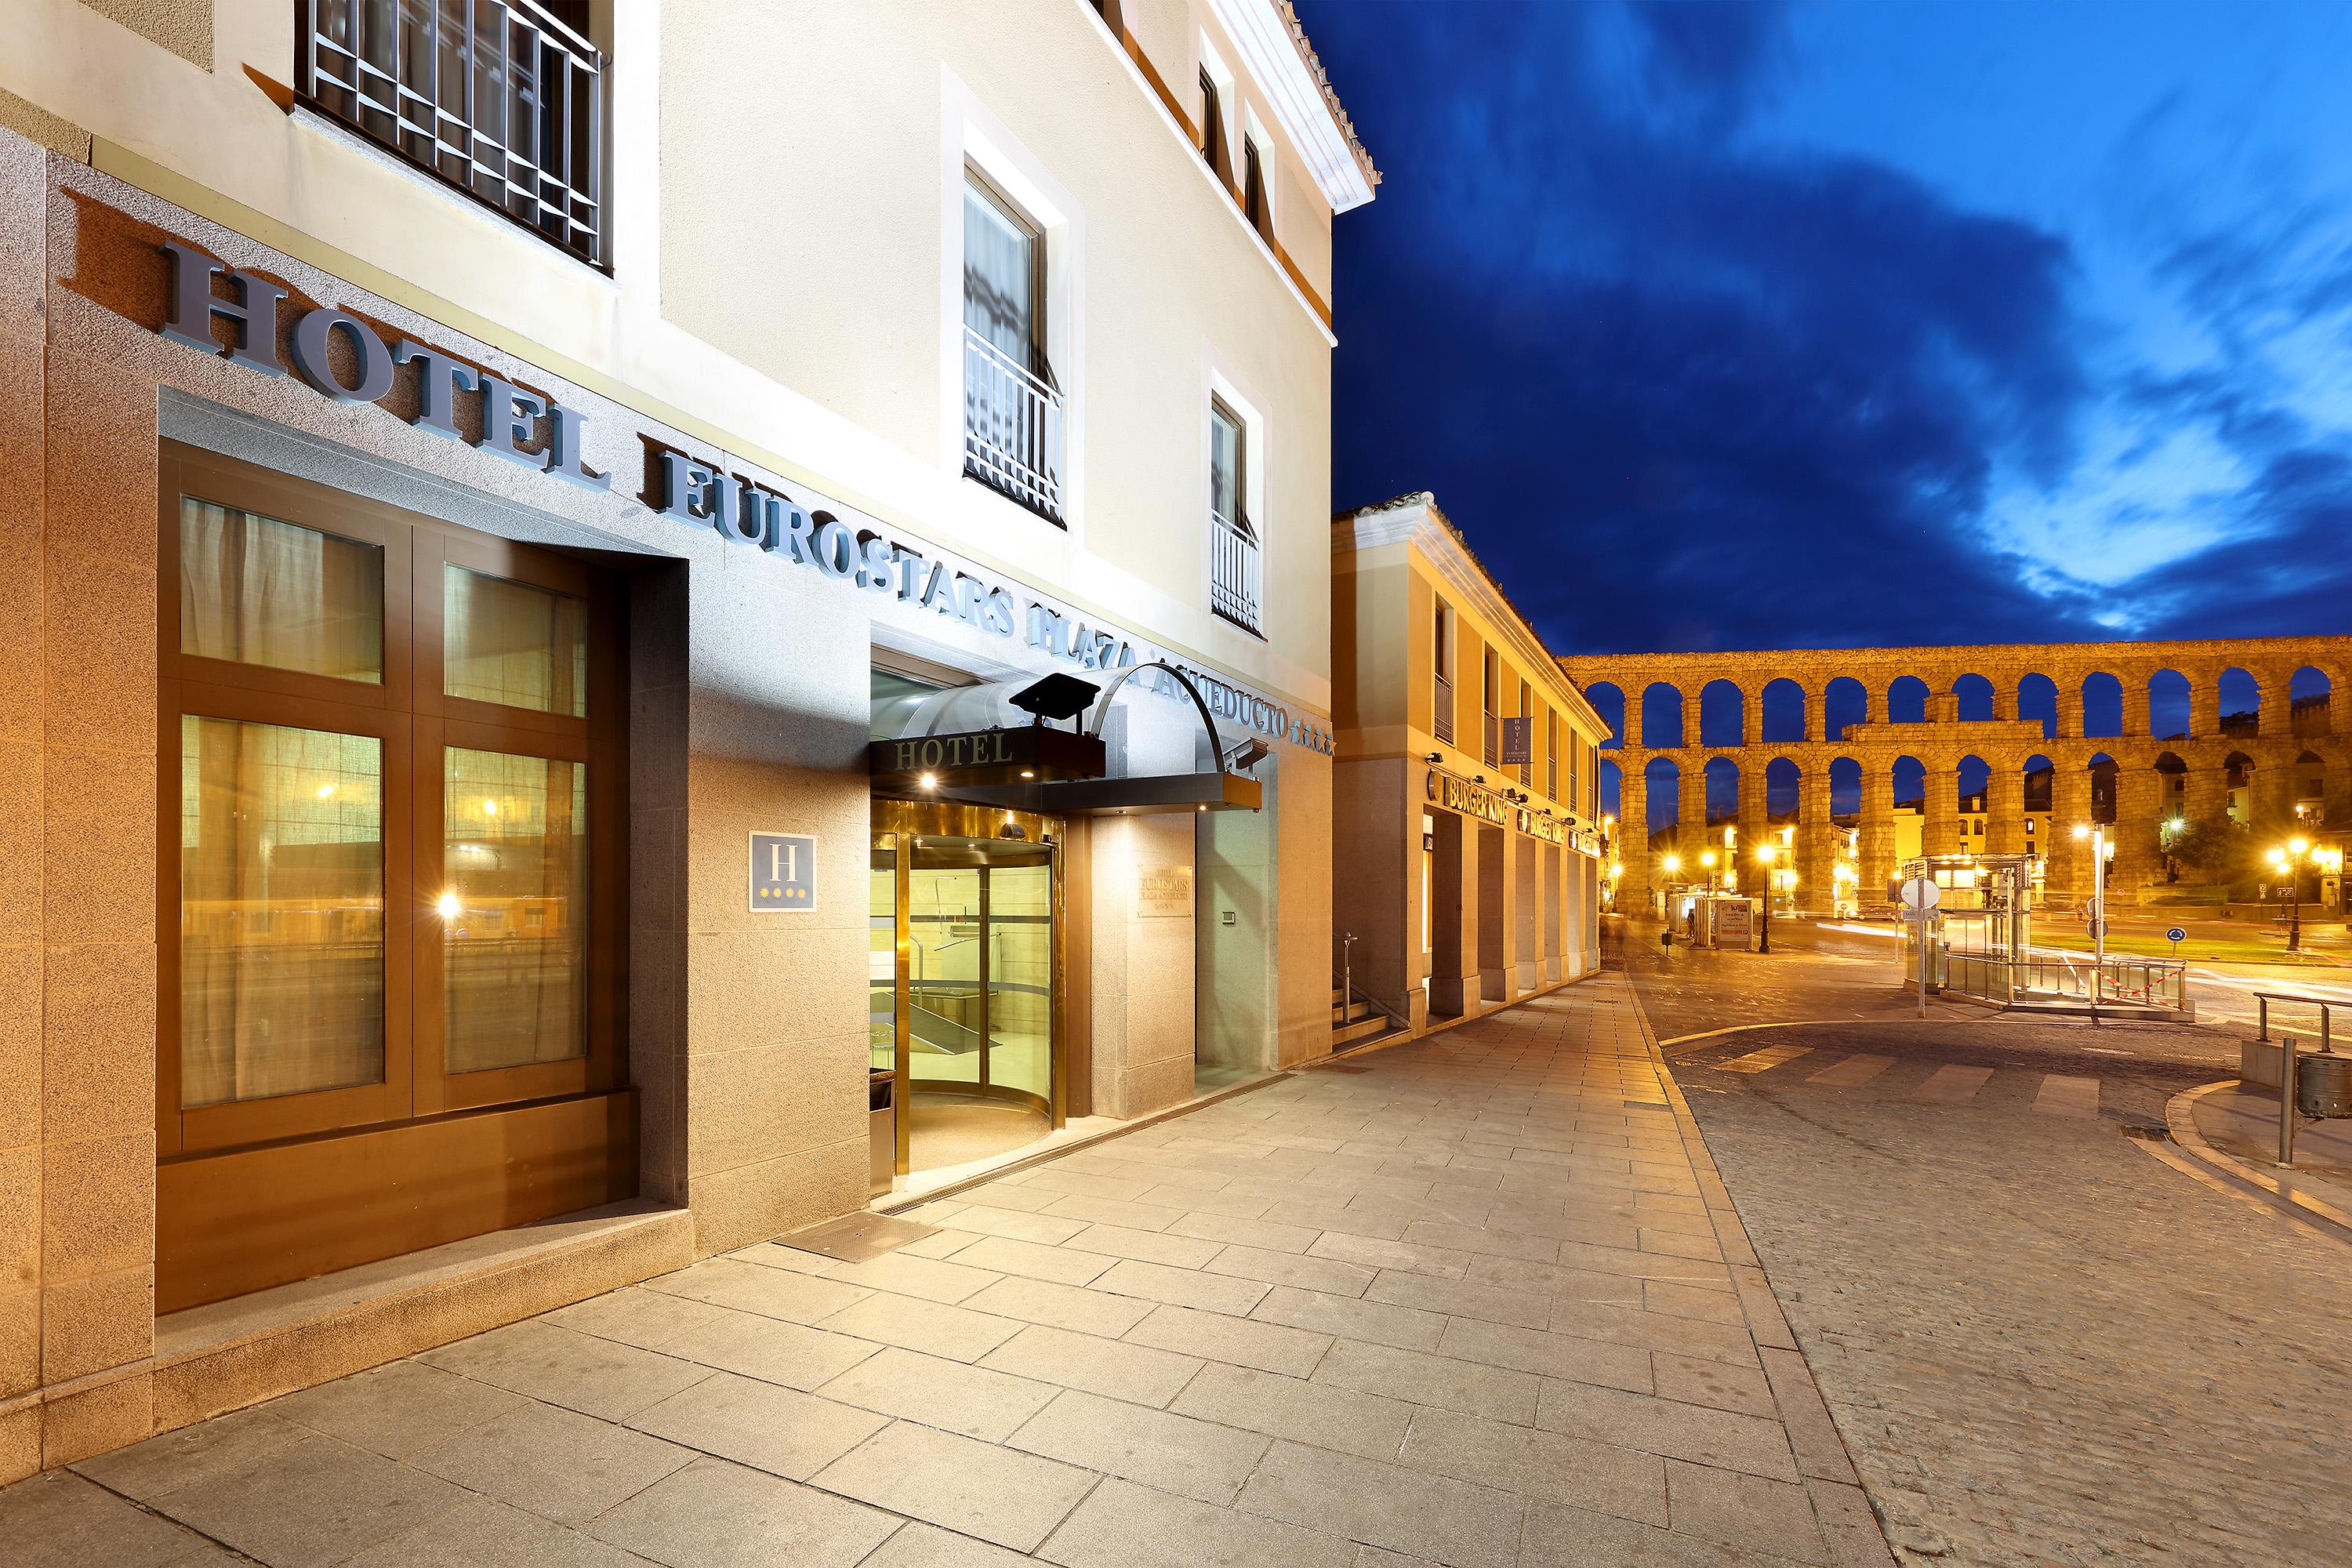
x=1920, y=896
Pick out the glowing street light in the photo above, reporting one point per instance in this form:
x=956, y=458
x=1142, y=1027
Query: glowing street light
x=2291, y=860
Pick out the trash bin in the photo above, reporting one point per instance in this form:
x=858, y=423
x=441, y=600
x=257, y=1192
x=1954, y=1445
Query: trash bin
x=2323, y=1084
x=881, y=1130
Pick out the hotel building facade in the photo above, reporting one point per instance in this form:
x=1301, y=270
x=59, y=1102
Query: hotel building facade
x=624, y=627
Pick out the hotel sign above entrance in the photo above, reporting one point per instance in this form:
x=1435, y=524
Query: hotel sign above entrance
x=920, y=764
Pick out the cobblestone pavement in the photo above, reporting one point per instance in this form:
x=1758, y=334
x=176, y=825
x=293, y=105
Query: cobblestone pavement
x=1475, y=1302
x=2039, y=1344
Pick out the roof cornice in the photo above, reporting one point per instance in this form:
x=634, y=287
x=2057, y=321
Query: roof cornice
x=1274, y=47
x=1415, y=520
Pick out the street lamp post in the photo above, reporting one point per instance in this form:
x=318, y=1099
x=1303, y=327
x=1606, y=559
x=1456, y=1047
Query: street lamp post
x=2098, y=837
x=2290, y=860
x=1765, y=853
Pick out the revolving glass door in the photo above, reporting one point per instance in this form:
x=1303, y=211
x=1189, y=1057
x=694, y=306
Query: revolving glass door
x=963, y=977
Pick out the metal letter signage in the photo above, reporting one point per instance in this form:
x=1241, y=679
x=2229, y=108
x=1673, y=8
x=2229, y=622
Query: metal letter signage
x=784, y=873
x=704, y=494
x=509, y=414
x=1163, y=894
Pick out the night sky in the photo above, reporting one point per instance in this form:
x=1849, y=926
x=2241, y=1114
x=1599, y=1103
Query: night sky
x=1731, y=324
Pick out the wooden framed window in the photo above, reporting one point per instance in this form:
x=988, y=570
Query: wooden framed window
x=1213, y=128
x=392, y=843
x=1255, y=204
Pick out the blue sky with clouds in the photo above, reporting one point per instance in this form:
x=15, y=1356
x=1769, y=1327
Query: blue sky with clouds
x=1744, y=323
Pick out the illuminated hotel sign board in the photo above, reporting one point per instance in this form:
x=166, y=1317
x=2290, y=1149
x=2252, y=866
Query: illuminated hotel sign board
x=685, y=488
x=1024, y=754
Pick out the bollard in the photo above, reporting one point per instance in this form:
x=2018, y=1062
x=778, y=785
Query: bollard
x=2286, y=1103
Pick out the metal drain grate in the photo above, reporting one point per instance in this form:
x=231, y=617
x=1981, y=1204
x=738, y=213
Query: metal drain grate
x=856, y=1238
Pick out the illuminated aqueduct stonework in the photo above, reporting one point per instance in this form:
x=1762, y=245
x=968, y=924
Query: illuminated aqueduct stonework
x=2198, y=730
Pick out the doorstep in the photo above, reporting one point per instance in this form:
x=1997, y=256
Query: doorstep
x=923, y=1186
x=229, y=1354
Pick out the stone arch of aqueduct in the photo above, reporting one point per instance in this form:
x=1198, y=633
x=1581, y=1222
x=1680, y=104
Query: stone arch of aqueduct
x=2272, y=759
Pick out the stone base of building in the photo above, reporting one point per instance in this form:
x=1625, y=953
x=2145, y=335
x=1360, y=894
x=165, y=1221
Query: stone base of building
x=209, y=1359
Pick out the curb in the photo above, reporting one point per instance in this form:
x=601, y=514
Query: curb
x=2180, y=1120
x=1849, y=1521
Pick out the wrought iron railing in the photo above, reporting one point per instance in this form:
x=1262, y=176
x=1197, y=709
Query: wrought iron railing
x=1494, y=738
x=1441, y=722
x=496, y=96
x=1012, y=428
x=1233, y=574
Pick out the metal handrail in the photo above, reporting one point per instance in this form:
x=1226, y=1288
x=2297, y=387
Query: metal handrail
x=1013, y=426
x=1234, y=567
x=2262, y=1000
x=1346, y=981
x=498, y=97
x=2146, y=981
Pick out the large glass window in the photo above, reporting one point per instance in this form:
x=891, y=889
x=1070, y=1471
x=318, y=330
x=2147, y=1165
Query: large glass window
x=513, y=909
x=376, y=886
x=513, y=643
x=1012, y=411
x=281, y=910
x=254, y=590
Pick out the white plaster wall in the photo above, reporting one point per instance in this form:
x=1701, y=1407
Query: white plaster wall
x=777, y=200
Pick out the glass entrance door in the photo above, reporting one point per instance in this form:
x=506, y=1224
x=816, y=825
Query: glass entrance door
x=963, y=977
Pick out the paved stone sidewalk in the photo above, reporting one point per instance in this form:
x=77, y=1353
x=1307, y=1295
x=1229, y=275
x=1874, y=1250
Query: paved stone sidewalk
x=1470, y=1301
x=2042, y=1345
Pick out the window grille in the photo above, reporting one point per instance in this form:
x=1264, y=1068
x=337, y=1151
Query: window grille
x=502, y=98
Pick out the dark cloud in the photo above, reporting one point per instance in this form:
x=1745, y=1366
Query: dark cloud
x=1685, y=390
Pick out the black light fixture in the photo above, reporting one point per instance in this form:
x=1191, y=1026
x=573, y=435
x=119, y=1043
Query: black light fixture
x=1059, y=695
x=1435, y=758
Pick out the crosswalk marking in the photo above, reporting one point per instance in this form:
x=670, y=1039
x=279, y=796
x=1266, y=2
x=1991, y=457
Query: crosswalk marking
x=1853, y=1071
x=2063, y=1095
x=1952, y=1084
x=1764, y=1060
x=2057, y=1094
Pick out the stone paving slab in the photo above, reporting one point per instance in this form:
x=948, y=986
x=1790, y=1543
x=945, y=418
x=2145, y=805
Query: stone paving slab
x=1477, y=1301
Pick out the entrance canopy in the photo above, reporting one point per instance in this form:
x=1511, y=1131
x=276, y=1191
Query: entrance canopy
x=965, y=743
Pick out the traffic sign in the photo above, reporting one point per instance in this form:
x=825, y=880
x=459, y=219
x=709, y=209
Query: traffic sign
x=2175, y=934
x=1919, y=894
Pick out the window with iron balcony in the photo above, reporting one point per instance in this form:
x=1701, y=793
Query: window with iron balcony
x=501, y=98
x=1234, y=557
x=1014, y=414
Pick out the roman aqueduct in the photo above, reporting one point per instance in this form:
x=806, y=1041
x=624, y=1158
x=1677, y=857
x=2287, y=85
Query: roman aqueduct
x=2190, y=730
